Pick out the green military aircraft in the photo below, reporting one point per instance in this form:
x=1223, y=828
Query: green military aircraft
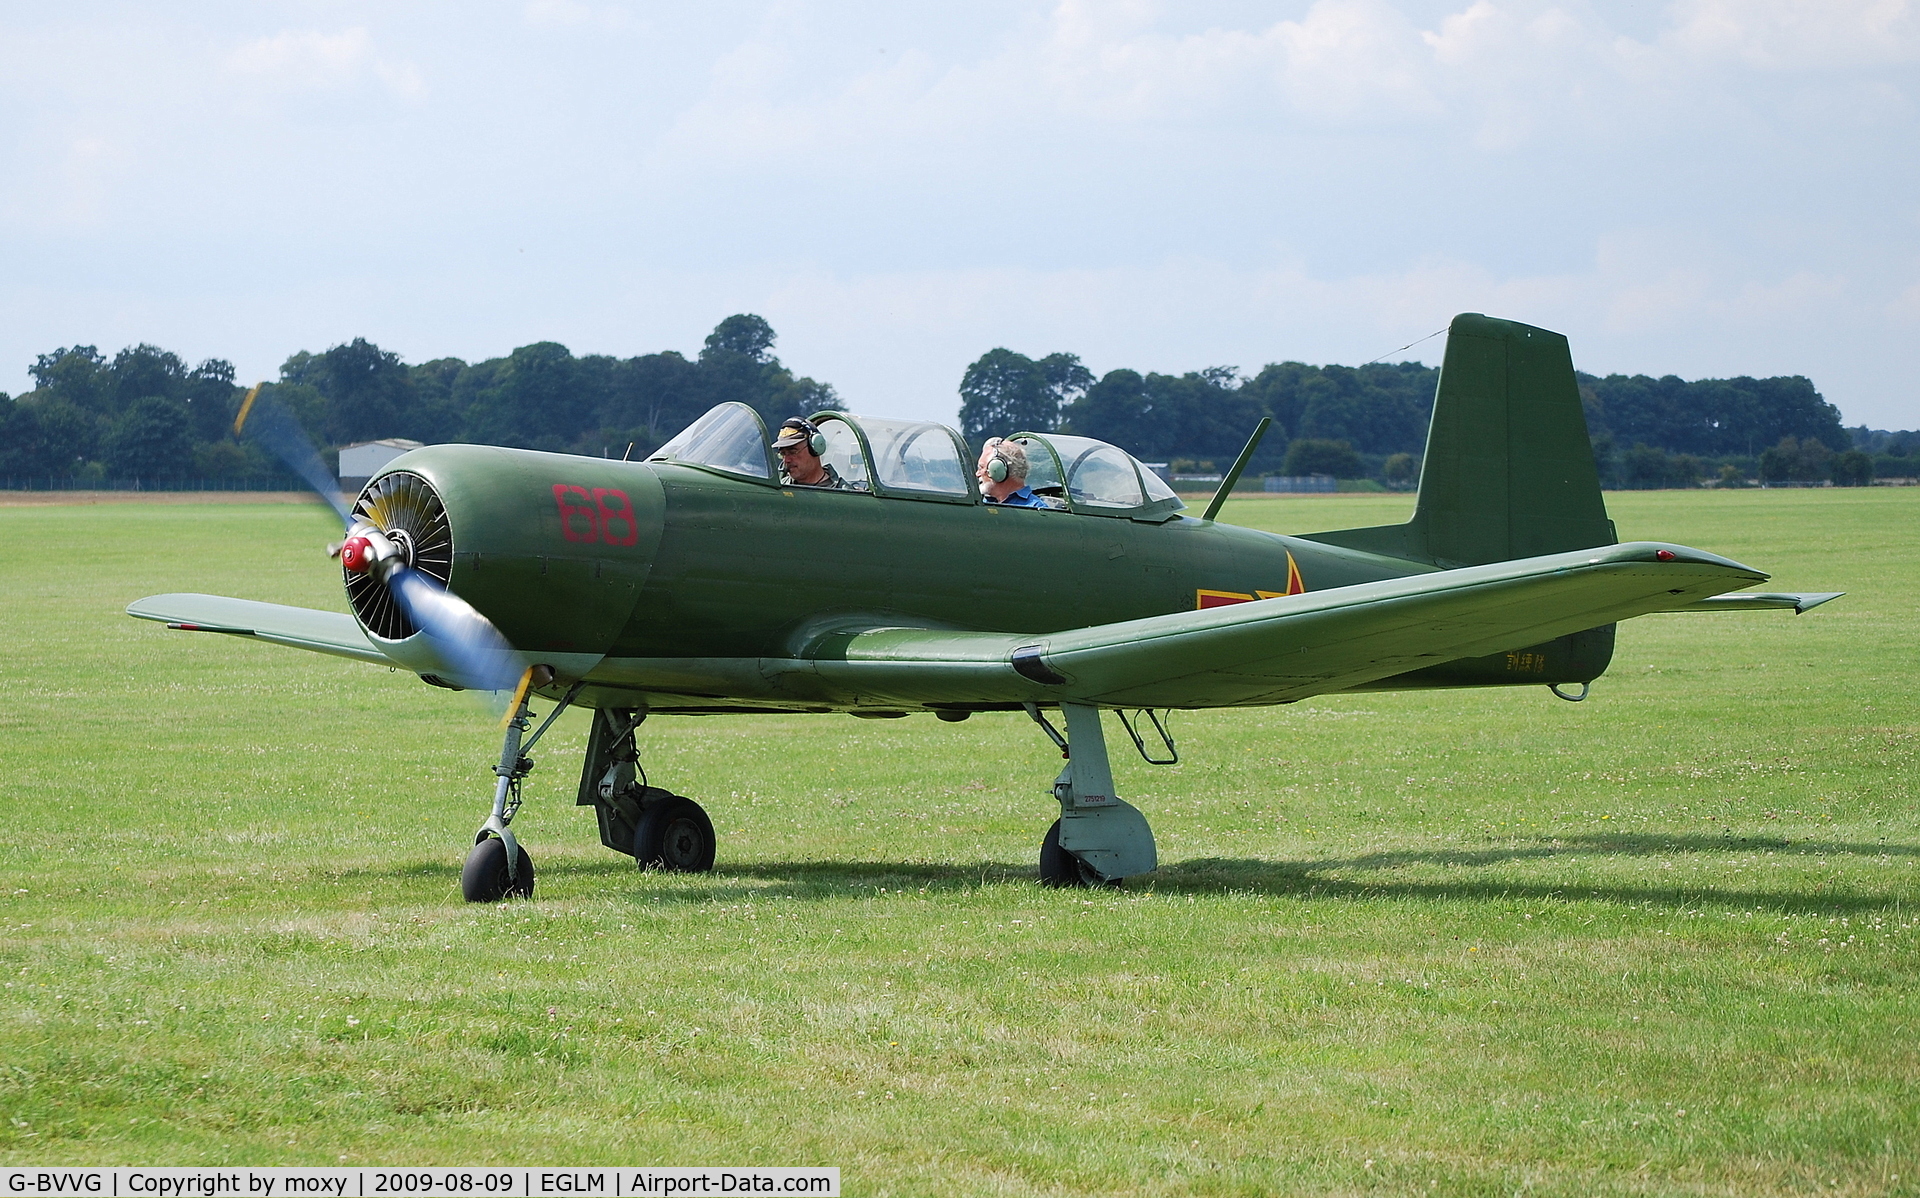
x=699, y=582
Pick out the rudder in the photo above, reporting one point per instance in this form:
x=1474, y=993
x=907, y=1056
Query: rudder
x=1508, y=471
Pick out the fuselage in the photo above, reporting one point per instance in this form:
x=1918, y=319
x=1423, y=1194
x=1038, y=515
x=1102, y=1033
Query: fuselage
x=603, y=566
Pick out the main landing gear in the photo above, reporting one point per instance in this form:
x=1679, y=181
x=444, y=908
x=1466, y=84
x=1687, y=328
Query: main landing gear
x=1099, y=838
x=657, y=828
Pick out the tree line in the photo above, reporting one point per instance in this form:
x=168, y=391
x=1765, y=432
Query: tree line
x=146, y=414
x=1371, y=421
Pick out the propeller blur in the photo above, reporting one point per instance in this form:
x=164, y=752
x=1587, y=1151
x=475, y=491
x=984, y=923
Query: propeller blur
x=464, y=647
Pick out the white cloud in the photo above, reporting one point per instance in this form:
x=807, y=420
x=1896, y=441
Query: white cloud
x=296, y=60
x=1798, y=34
x=1711, y=186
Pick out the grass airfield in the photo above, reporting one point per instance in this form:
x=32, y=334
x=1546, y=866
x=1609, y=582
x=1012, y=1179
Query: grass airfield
x=1661, y=942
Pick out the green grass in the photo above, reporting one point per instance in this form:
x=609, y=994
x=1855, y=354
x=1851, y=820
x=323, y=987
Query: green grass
x=1661, y=942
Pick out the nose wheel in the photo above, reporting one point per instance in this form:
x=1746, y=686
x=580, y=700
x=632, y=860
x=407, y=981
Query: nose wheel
x=485, y=877
x=497, y=867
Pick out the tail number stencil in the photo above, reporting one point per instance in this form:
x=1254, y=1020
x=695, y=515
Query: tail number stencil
x=602, y=514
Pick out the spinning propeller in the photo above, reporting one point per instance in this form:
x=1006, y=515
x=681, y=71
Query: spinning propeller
x=467, y=650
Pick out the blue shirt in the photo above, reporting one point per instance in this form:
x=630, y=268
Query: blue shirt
x=1024, y=497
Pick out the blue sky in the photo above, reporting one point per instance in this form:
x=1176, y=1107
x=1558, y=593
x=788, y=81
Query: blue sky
x=1710, y=187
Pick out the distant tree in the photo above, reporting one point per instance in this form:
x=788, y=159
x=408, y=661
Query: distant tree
x=211, y=399
x=1644, y=468
x=437, y=413
x=223, y=459
x=1711, y=416
x=1310, y=455
x=1379, y=408
x=1402, y=471
x=1203, y=414
x=368, y=391
x=745, y=334
x=534, y=401
x=78, y=376
x=649, y=399
x=1795, y=459
x=152, y=439
x=1344, y=404
x=1005, y=392
x=1851, y=469
x=1119, y=408
x=19, y=439
x=737, y=364
x=69, y=435
x=144, y=371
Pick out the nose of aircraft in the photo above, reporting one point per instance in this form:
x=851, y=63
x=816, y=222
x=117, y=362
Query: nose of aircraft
x=550, y=549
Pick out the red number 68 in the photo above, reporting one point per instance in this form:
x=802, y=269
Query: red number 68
x=607, y=514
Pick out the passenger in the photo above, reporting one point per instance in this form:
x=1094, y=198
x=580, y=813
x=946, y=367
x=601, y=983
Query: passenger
x=1003, y=475
x=800, y=444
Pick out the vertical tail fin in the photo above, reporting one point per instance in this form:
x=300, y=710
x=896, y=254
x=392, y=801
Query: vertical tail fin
x=1508, y=471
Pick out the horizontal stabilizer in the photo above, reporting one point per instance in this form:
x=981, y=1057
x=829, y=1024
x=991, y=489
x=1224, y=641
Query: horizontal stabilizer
x=301, y=627
x=1763, y=601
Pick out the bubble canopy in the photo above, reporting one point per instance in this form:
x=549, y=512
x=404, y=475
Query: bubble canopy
x=923, y=460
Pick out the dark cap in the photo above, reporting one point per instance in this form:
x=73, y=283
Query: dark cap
x=796, y=431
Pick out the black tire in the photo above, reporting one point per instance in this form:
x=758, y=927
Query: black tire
x=1058, y=867
x=483, y=879
x=675, y=835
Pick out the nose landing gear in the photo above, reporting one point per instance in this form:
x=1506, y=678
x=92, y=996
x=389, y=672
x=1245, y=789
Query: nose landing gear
x=497, y=867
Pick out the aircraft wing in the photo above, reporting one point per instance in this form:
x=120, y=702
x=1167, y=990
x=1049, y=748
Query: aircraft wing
x=302, y=627
x=1268, y=651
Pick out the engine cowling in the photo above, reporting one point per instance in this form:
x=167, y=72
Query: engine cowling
x=551, y=548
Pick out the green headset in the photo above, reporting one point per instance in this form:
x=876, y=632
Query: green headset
x=998, y=468
x=816, y=440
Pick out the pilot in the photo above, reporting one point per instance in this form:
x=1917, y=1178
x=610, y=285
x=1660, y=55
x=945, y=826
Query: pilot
x=800, y=444
x=1002, y=472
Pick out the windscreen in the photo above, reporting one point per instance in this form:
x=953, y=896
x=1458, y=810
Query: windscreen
x=1043, y=477
x=1157, y=488
x=843, y=452
x=1098, y=474
x=912, y=455
x=729, y=437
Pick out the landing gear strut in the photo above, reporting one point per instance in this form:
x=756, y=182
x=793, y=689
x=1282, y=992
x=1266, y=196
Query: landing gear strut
x=497, y=867
x=659, y=829
x=1099, y=838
